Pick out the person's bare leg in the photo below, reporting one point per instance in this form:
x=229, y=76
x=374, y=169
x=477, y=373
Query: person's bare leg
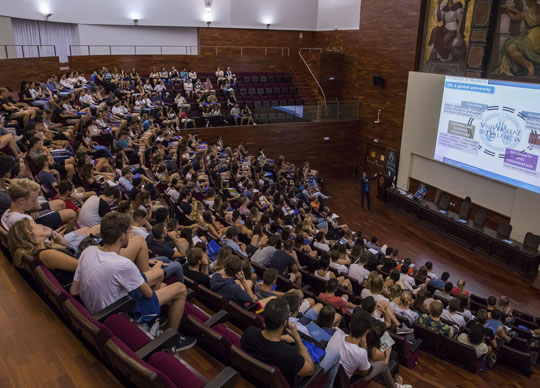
x=57, y=205
x=70, y=171
x=137, y=251
x=174, y=295
x=68, y=216
x=264, y=301
x=298, y=280
x=9, y=141
x=154, y=277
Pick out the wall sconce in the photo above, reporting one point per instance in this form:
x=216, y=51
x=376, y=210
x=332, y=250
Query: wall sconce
x=268, y=26
x=136, y=21
x=208, y=23
x=48, y=16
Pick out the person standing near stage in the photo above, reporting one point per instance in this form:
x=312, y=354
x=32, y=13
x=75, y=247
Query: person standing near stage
x=366, y=189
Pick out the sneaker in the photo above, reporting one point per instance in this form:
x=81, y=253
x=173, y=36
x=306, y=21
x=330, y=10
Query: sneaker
x=403, y=385
x=184, y=343
x=403, y=329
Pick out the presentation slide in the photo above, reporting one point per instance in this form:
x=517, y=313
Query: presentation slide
x=491, y=128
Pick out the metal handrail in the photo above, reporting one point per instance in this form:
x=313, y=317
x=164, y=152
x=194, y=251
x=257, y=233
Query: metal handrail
x=310, y=49
x=190, y=50
x=22, y=46
x=313, y=75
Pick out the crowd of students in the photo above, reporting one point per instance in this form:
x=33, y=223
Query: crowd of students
x=89, y=192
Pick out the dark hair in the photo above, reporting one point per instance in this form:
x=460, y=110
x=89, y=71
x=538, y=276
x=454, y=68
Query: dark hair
x=491, y=301
x=395, y=276
x=275, y=313
x=373, y=338
x=161, y=214
x=453, y=304
x=269, y=276
x=232, y=266
x=64, y=186
x=124, y=206
x=360, y=322
x=232, y=232
x=482, y=316
x=111, y=191
x=476, y=334
x=429, y=265
x=374, y=239
x=41, y=160
x=6, y=164
x=293, y=300
x=445, y=276
x=194, y=256
x=448, y=287
x=326, y=316
x=158, y=230
x=405, y=268
x=496, y=314
x=319, y=236
x=389, y=251
x=368, y=304
x=332, y=285
x=334, y=255
x=288, y=244
x=138, y=214
x=324, y=262
x=113, y=225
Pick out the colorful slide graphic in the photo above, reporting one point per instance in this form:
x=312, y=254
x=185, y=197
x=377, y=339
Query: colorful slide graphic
x=491, y=128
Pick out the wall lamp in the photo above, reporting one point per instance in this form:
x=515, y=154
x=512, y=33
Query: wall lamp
x=136, y=21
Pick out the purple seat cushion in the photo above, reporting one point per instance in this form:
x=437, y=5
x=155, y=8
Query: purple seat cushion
x=198, y=314
x=177, y=372
x=230, y=336
x=127, y=331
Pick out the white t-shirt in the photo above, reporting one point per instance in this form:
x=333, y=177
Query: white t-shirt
x=340, y=267
x=456, y=318
x=105, y=277
x=321, y=246
x=352, y=357
x=358, y=272
x=139, y=231
x=9, y=218
x=89, y=213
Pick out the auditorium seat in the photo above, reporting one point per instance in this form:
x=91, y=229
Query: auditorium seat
x=522, y=362
x=161, y=370
x=432, y=341
x=264, y=375
x=343, y=381
x=503, y=230
x=465, y=209
x=461, y=354
x=531, y=241
x=51, y=288
x=444, y=203
x=479, y=218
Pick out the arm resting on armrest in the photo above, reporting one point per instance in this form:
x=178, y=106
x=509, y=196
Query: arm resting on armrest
x=124, y=305
x=219, y=317
x=228, y=378
x=165, y=340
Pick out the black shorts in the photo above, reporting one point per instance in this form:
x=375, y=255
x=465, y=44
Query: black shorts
x=45, y=206
x=51, y=220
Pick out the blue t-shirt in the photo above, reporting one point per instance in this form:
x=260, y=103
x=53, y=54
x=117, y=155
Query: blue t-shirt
x=47, y=179
x=146, y=124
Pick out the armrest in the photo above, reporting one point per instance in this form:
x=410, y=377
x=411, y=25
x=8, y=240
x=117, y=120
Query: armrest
x=165, y=340
x=227, y=378
x=311, y=339
x=308, y=380
x=219, y=317
x=416, y=344
x=252, y=307
x=124, y=305
x=190, y=294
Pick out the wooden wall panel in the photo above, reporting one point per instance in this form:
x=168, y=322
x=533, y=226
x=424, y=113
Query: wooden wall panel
x=256, y=38
x=385, y=45
x=15, y=70
x=297, y=142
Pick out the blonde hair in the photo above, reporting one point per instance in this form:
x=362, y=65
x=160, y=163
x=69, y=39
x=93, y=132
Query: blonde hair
x=20, y=241
x=395, y=291
x=196, y=211
x=21, y=188
x=405, y=298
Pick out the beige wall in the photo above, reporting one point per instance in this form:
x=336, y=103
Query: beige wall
x=6, y=37
x=424, y=96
